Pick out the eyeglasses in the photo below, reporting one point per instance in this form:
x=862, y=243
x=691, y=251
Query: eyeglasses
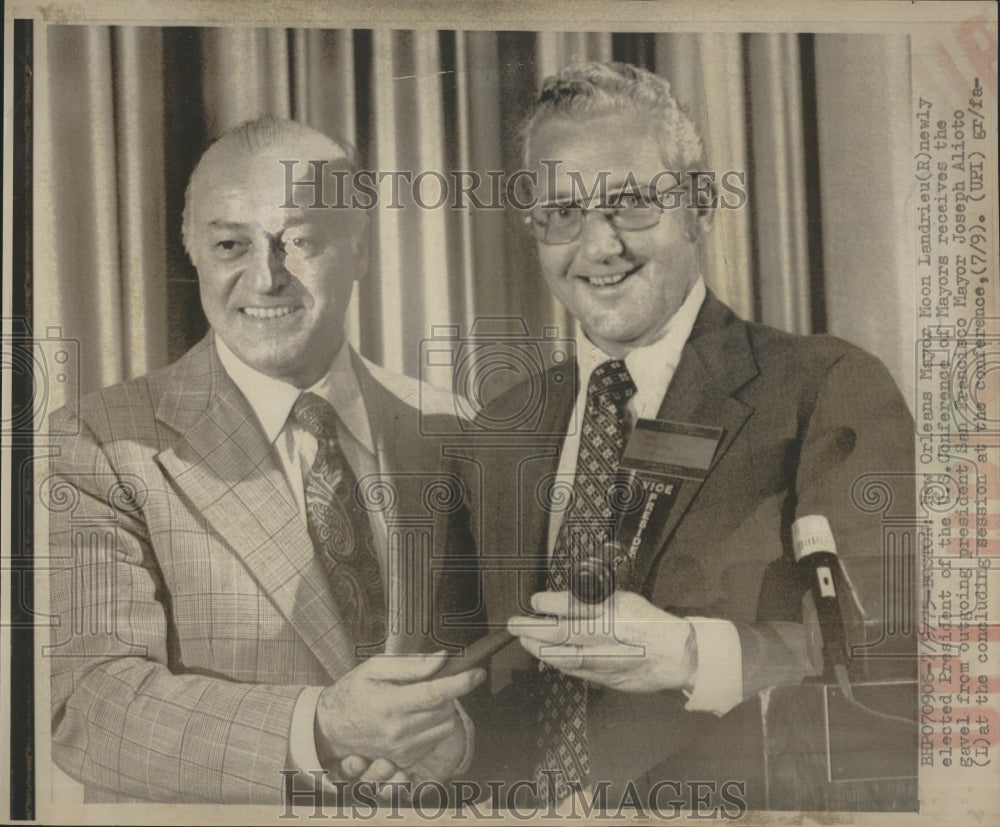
x=559, y=223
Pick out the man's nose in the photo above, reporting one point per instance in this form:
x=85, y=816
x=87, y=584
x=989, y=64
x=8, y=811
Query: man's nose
x=270, y=273
x=599, y=238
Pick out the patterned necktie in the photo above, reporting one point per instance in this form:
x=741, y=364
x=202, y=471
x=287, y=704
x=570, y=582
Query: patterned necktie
x=562, y=733
x=340, y=530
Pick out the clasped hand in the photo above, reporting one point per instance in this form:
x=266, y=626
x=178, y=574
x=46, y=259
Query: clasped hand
x=625, y=643
x=391, y=711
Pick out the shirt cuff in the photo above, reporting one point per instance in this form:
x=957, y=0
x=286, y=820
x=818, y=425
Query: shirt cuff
x=718, y=681
x=302, y=754
x=470, y=739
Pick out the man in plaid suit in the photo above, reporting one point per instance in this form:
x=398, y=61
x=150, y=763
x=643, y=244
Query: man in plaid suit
x=214, y=578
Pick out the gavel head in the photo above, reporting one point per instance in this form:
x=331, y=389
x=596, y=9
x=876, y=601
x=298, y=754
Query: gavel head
x=592, y=577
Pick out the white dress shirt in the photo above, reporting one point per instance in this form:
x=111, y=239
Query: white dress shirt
x=272, y=401
x=718, y=685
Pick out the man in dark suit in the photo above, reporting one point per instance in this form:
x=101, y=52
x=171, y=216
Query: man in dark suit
x=222, y=577
x=709, y=608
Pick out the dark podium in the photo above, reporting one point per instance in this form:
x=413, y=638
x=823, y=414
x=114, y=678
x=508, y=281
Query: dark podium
x=809, y=748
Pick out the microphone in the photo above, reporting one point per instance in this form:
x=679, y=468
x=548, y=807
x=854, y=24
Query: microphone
x=816, y=554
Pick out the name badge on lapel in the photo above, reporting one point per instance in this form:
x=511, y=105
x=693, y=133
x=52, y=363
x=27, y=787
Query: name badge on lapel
x=659, y=458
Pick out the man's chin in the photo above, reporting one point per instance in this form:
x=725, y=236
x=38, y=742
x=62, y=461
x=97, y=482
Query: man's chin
x=613, y=340
x=293, y=357
x=289, y=367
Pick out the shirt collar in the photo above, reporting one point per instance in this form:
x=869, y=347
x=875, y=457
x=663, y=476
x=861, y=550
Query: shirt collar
x=651, y=366
x=272, y=399
x=340, y=387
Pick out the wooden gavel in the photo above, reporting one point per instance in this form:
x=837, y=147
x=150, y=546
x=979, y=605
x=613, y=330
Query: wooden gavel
x=592, y=580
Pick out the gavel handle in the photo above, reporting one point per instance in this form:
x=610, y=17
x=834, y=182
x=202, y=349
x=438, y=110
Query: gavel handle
x=593, y=589
x=476, y=653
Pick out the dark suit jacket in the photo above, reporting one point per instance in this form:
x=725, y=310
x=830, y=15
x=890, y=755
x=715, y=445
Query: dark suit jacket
x=190, y=607
x=804, y=419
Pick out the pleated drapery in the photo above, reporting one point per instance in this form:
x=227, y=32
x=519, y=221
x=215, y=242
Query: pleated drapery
x=813, y=121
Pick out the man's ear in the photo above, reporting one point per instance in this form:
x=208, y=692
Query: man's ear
x=191, y=257
x=704, y=217
x=361, y=242
x=700, y=218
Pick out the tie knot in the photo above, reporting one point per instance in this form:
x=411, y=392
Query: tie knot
x=316, y=415
x=611, y=380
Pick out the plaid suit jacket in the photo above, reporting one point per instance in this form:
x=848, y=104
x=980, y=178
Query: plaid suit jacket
x=189, y=606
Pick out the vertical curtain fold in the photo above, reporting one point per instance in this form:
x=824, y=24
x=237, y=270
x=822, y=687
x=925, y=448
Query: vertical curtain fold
x=779, y=195
x=434, y=220
x=303, y=64
x=728, y=248
x=141, y=191
x=386, y=310
x=246, y=75
x=557, y=49
x=466, y=87
x=480, y=151
x=83, y=292
x=100, y=141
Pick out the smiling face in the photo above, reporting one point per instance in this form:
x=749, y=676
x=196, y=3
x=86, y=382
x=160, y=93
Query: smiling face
x=622, y=285
x=275, y=282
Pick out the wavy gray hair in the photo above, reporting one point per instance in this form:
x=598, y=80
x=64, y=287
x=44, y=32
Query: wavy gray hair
x=585, y=90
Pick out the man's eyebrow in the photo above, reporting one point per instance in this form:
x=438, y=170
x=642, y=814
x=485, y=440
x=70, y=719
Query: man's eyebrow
x=571, y=196
x=227, y=225
x=293, y=223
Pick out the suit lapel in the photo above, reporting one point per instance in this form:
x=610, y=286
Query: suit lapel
x=533, y=513
x=716, y=362
x=392, y=422
x=223, y=464
x=409, y=463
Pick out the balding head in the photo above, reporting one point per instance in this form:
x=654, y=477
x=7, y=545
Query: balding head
x=253, y=139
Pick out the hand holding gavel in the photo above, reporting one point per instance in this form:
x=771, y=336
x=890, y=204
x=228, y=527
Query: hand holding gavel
x=608, y=636
x=592, y=581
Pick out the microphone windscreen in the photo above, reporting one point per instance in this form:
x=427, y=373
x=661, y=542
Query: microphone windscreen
x=812, y=534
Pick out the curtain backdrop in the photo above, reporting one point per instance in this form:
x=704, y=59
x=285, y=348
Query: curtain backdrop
x=818, y=123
